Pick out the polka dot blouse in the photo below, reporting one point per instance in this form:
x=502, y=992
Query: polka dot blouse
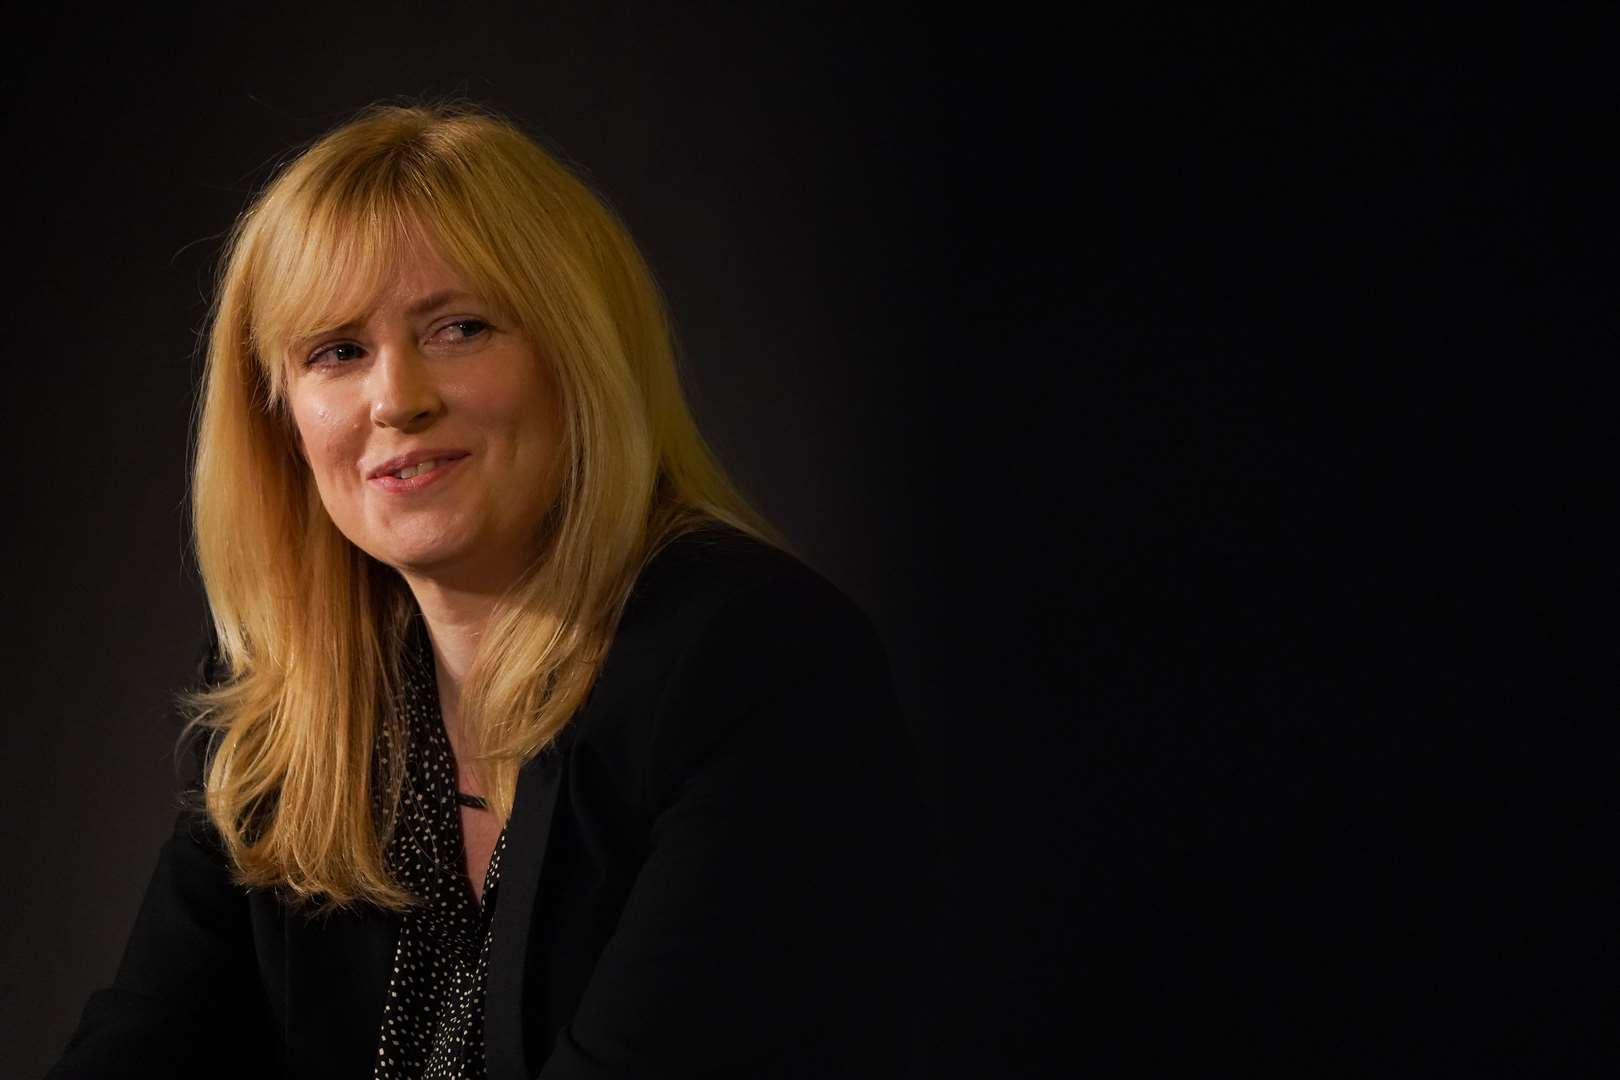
x=433, y=1020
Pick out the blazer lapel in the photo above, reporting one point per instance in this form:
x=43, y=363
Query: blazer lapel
x=527, y=834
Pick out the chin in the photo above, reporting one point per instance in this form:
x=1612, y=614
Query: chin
x=424, y=550
x=426, y=562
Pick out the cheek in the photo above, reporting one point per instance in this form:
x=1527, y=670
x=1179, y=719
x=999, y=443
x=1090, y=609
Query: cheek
x=512, y=412
x=325, y=437
x=330, y=446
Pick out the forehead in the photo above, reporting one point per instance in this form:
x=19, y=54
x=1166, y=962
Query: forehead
x=390, y=280
x=417, y=280
x=340, y=276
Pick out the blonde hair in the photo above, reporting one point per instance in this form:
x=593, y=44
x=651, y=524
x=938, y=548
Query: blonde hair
x=309, y=626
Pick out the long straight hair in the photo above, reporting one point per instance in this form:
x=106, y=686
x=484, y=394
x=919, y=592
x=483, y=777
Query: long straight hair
x=310, y=627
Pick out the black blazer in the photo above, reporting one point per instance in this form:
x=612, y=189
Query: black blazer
x=722, y=869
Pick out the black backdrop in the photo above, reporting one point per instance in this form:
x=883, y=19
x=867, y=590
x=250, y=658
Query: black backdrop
x=1206, y=407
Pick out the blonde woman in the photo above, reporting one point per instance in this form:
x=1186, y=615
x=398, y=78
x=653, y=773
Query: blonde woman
x=525, y=749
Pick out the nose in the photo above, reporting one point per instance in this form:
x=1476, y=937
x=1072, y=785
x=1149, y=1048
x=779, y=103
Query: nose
x=403, y=393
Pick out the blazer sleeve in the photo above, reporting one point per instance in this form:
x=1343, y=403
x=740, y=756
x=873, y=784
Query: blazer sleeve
x=186, y=1000
x=774, y=928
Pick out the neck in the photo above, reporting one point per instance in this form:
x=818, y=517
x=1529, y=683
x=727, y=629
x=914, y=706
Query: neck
x=455, y=618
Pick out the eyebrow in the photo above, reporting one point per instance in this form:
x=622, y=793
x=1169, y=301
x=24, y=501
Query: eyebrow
x=436, y=300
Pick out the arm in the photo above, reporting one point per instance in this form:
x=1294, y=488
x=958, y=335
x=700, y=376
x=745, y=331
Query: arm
x=186, y=1000
x=772, y=930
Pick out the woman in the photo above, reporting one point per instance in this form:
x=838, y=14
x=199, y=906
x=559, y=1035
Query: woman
x=526, y=747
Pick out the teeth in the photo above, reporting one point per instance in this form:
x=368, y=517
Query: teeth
x=414, y=470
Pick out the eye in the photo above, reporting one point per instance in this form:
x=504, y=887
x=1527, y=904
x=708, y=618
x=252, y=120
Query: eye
x=465, y=329
x=340, y=352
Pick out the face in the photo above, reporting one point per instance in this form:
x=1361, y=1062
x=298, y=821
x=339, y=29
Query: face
x=431, y=430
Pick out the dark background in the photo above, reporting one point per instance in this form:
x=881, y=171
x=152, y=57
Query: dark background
x=1208, y=408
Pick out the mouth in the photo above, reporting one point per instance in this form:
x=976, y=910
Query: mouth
x=417, y=470
x=418, y=475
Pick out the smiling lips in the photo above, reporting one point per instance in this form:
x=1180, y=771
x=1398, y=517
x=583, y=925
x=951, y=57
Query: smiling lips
x=416, y=475
x=416, y=470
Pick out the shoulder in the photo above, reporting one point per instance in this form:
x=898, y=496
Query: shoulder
x=721, y=624
x=719, y=580
x=733, y=659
